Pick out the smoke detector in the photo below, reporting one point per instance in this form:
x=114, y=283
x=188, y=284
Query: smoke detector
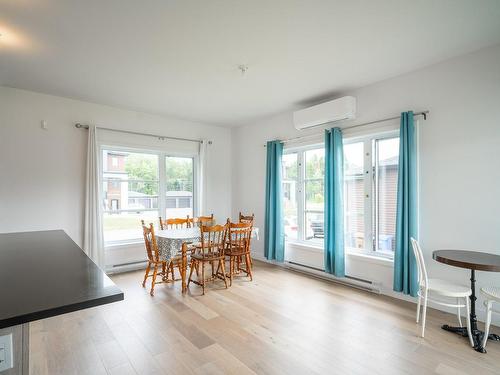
x=243, y=68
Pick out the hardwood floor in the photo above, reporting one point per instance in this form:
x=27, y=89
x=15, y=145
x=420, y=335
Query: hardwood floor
x=281, y=323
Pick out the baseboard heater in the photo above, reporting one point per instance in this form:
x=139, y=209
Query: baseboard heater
x=124, y=267
x=358, y=283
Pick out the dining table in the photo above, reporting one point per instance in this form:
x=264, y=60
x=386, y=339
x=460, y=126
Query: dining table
x=474, y=261
x=174, y=242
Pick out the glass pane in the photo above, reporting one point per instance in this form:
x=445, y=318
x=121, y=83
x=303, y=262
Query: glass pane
x=179, y=173
x=387, y=180
x=354, y=195
x=129, y=195
x=315, y=227
x=315, y=163
x=315, y=195
x=353, y=158
x=130, y=165
x=125, y=226
x=290, y=165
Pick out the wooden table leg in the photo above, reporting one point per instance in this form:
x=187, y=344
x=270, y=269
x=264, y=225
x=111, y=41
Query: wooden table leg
x=184, y=267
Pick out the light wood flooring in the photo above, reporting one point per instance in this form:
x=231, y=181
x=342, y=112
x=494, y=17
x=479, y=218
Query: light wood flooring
x=281, y=323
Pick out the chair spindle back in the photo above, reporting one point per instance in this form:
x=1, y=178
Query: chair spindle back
x=240, y=235
x=246, y=218
x=419, y=256
x=175, y=223
x=150, y=243
x=213, y=239
x=200, y=220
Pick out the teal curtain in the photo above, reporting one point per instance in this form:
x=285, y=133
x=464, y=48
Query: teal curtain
x=405, y=267
x=274, y=247
x=334, y=206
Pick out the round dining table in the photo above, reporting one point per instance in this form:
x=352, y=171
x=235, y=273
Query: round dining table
x=174, y=242
x=474, y=261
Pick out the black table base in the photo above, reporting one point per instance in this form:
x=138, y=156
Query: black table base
x=477, y=335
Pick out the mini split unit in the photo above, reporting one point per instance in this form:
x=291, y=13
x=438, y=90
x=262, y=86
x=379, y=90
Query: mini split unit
x=335, y=110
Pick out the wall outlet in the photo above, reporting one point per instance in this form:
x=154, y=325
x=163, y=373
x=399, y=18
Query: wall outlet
x=6, y=357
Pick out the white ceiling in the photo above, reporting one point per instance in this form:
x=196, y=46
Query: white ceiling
x=180, y=57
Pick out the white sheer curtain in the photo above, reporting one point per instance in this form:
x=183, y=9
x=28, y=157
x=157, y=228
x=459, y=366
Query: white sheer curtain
x=202, y=180
x=92, y=236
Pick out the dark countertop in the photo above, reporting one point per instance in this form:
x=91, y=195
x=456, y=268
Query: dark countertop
x=43, y=274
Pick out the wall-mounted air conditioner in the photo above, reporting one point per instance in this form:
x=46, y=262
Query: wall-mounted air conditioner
x=332, y=111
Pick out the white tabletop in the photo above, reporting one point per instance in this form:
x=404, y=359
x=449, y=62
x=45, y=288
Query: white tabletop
x=187, y=233
x=178, y=233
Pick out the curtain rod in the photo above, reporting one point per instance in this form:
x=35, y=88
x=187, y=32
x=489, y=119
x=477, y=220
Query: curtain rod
x=161, y=137
x=422, y=113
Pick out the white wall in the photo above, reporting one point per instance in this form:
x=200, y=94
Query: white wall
x=459, y=158
x=42, y=171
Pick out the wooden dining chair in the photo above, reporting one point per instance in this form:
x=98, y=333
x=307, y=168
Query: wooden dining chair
x=246, y=218
x=213, y=242
x=175, y=223
x=177, y=260
x=238, y=249
x=200, y=220
x=154, y=261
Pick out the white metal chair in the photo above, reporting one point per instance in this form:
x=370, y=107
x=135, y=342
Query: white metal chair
x=492, y=294
x=440, y=288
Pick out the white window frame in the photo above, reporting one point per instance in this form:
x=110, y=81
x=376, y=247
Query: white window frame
x=300, y=193
x=369, y=184
x=162, y=183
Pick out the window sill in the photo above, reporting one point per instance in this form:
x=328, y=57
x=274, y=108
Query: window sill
x=118, y=245
x=374, y=259
x=305, y=245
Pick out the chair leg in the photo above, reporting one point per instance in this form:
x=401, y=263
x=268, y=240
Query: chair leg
x=223, y=266
x=424, y=313
x=172, y=270
x=419, y=304
x=459, y=316
x=155, y=271
x=487, y=323
x=249, y=266
x=193, y=265
x=148, y=267
x=203, y=277
x=231, y=265
x=179, y=267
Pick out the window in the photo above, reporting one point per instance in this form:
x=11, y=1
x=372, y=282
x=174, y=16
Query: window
x=131, y=191
x=370, y=194
x=179, y=174
x=130, y=194
x=303, y=193
x=354, y=195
